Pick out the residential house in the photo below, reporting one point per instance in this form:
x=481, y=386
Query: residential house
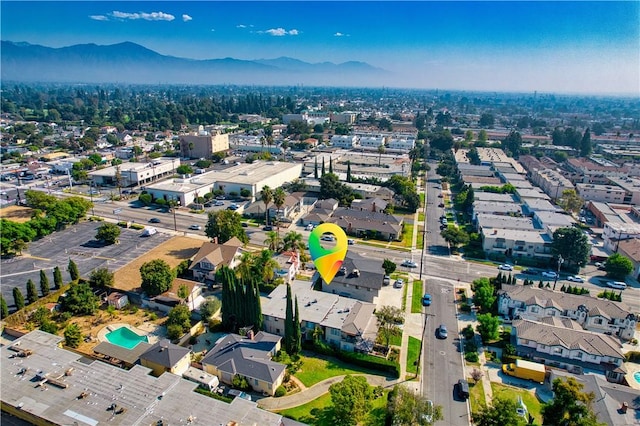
x=371, y=204
x=344, y=323
x=593, y=314
x=249, y=357
x=288, y=265
x=631, y=249
x=166, y=301
x=361, y=223
x=164, y=356
x=569, y=348
x=212, y=256
x=359, y=278
x=117, y=300
x=321, y=211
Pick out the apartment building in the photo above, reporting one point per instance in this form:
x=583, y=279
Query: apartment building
x=631, y=188
x=601, y=193
x=553, y=183
x=344, y=141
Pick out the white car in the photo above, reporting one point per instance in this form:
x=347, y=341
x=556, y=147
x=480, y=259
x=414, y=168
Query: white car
x=575, y=278
x=550, y=274
x=398, y=283
x=619, y=285
x=327, y=237
x=409, y=264
x=195, y=227
x=505, y=267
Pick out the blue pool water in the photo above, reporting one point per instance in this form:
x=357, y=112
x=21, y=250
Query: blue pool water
x=636, y=376
x=125, y=338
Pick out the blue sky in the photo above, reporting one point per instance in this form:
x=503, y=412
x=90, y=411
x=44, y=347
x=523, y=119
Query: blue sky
x=576, y=47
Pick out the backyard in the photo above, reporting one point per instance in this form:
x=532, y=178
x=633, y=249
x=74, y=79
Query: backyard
x=315, y=370
x=528, y=397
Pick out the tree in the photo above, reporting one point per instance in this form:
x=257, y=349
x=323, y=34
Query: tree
x=488, y=327
x=351, y=399
x=57, y=278
x=293, y=241
x=323, y=168
x=315, y=168
x=44, y=283
x=618, y=266
x=389, y=266
x=180, y=316
x=279, y=197
x=184, y=170
x=476, y=375
x=585, y=144
x=117, y=179
x=484, y=294
x=408, y=408
x=209, y=307
x=501, y=411
x=569, y=406
x=482, y=135
x=572, y=244
x=348, y=171
x=330, y=165
x=272, y=241
x=331, y=187
x=455, y=236
x=101, y=278
x=72, y=336
x=389, y=319
x=157, y=277
x=512, y=143
x=4, y=308
x=289, y=328
x=381, y=150
x=79, y=300
x=183, y=292
x=108, y=233
x=570, y=201
x=32, y=292
x=297, y=332
x=18, y=298
x=266, y=196
x=73, y=270
x=487, y=120
x=224, y=225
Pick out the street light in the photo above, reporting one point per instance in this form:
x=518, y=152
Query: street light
x=560, y=262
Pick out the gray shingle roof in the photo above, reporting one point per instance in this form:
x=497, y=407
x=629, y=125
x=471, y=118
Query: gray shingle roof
x=165, y=353
x=371, y=272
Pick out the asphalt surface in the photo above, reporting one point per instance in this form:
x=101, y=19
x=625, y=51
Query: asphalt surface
x=77, y=243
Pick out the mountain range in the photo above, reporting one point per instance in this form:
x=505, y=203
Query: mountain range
x=134, y=64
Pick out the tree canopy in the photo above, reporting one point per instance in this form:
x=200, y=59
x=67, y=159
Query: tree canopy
x=484, y=294
x=618, y=266
x=108, y=232
x=225, y=224
x=79, y=300
x=351, y=399
x=101, y=278
x=389, y=266
x=570, y=405
x=240, y=301
x=157, y=277
x=488, y=327
x=409, y=408
x=501, y=411
x=572, y=244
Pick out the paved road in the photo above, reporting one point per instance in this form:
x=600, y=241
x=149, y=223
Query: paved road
x=436, y=245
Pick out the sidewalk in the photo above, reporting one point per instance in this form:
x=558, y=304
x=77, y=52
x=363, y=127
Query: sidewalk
x=315, y=391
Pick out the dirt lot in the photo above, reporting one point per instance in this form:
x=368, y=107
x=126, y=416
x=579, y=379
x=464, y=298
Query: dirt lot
x=172, y=251
x=16, y=213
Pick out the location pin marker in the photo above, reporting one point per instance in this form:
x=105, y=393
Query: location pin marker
x=328, y=261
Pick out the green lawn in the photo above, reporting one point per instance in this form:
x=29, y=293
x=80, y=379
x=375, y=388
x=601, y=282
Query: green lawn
x=420, y=217
x=416, y=299
x=511, y=392
x=476, y=396
x=319, y=412
x=315, y=370
x=396, y=339
x=420, y=239
x=413, y=352
x=408, y=235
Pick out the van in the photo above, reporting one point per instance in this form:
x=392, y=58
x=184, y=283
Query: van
x=462, y=388
x=149, y=232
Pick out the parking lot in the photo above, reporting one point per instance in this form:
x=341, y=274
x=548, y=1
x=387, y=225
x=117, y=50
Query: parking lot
x=77, y=243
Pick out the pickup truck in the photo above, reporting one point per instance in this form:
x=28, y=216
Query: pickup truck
x=525, y=370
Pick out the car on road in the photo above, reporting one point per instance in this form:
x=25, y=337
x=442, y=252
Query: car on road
x=245, y=225
x=549, y=274
x=268, y=228
x=505, y=267
x=195, y=227
x=441, y=205
x=409, y=264
x=154, y=220
x=575, y=278
x=218, y=203
x=618, y=285
x=530, y=272
x=233, y=206
x=309, y=227
x=426, y=299
x=327, y=237
x=441, y=332
x=462, y=389
x=399, y=283
x=351, y=242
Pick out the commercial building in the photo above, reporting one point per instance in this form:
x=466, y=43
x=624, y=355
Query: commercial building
x=203, y=144
x=134, y=174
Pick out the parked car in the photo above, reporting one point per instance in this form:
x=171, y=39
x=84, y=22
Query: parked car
x=154, y=220
x=309, y=227
x=351, y=242
x=575, y=278
x=245, y=225
x=428, y=415
x=409, y=263
x=549, y=274
x=618, y=285
x=218, y=203
x=220, y=197
x=441, y=332
x=195, y=227
x=399, y=283
x=426, y=299
x=462, y=389
x=386, y=280
x=441, y=205
x=505, y=267
x=599, y=265
x=327, y=237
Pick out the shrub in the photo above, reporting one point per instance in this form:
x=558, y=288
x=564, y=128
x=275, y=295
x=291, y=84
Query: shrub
x=280, y=391
x=174, y=331
x=468, y=332
x=153, y=316
x=240, y=382
x=136, y=226
x=123, y=224
x=471, y=357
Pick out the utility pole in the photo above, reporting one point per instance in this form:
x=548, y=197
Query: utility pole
x=560, y=262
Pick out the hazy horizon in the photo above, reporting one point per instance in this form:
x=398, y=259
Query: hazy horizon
x=548, y=47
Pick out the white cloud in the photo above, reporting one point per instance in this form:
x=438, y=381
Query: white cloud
x=152, y=16
x=241, y=26
x=338, y=34
x=279, y=32
x=213, y=29
x=99, y=17
x=186, y=18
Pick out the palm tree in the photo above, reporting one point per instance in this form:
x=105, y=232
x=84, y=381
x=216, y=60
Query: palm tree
x=278, y=199
x=190, y=146
x=266, y=265
x=267, y=197
x=381, y=150
x=245, y=267
x=272, y=241
x=293, y=241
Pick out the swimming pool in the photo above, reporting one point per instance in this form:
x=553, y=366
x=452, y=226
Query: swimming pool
x=636, y=376
x=126, y=338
